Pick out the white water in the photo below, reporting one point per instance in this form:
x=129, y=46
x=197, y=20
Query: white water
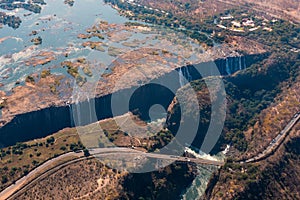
x=227, y=67
x=181, y=78
x=240, y=63
x=204, y=155
x=199, y=185
x=235, y=64
x=188, y=75
x=184, y=76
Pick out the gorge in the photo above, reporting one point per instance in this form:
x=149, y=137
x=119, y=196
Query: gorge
x=40, y=123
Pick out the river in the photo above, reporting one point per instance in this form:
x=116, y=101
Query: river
x=58, y=25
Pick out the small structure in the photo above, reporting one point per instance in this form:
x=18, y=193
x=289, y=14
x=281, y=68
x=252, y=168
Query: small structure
x=221, y=26
x=236, y=24
x=248, y=22
x=227, y=17
x=267, y=29
x=254, y=29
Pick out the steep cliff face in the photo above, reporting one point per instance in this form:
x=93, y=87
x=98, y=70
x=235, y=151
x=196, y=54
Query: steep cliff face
x=34, y=125
x=280, y=179
x=90, y=179
x=47, y=121
x=276, y=176
x=248, y=93
x=168, y=183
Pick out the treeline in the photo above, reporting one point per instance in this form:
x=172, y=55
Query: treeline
x=248, y=93
x=253, y=90
x=166, y=183
x=284, y=35
x=166, y=19
x=30, y=7
x=9, y=20
x=14, y=21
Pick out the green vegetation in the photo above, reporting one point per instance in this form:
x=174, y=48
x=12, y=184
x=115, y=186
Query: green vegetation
x=34, y=6
x=45, y=73
x=53, y=87
x=245, y=174
x=251, y=92
x=167, y=183
x=9, y=20
x=30, y=79
x=248, y=93
x=73, y=71
x=69, y=2
x=278, y=34
x=270, y=179
x=155, y=17
x=160, y=140
x=86, y=153
x=18, y=160
x=87, y=71
x=37, y=41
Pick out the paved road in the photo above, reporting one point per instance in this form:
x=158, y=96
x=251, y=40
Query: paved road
x=47, y=169
x=154, y=155
x=23, y=181
x=276, y=142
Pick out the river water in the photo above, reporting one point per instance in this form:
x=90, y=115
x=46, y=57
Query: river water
x=58, y=25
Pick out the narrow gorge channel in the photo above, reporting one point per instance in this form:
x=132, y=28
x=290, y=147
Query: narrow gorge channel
x=47, y=121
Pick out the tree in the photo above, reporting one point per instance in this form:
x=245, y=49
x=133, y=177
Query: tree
x=63, y=148
x=4, y=179
x=86, y=153
x=50, y=140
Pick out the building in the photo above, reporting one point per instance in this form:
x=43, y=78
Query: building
x=236, y=24
x=248, y=22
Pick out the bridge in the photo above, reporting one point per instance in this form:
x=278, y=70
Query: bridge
x=127, y=151
x=51, y=166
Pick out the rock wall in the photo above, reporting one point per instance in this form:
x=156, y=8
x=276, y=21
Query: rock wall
x=47, y=121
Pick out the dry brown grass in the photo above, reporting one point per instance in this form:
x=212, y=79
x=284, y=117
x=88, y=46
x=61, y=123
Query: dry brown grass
x=88, y=179
x=273, y=119
x=13, y=166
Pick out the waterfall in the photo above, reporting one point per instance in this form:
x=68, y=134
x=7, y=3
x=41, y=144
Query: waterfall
x=71, y=116
x=89, y=110
x=245, y=66
x=184, y=76
x=181, y=78
x=227, y=67
x=188, y=75
x=78, y=113
x=240, y=63
x=199, y=185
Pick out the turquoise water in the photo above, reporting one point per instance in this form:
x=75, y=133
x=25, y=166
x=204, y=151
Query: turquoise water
x=58, y=25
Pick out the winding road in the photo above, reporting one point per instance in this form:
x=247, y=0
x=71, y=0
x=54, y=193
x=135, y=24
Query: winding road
x=49, y=167
x=39, y=172
x=276, y=142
